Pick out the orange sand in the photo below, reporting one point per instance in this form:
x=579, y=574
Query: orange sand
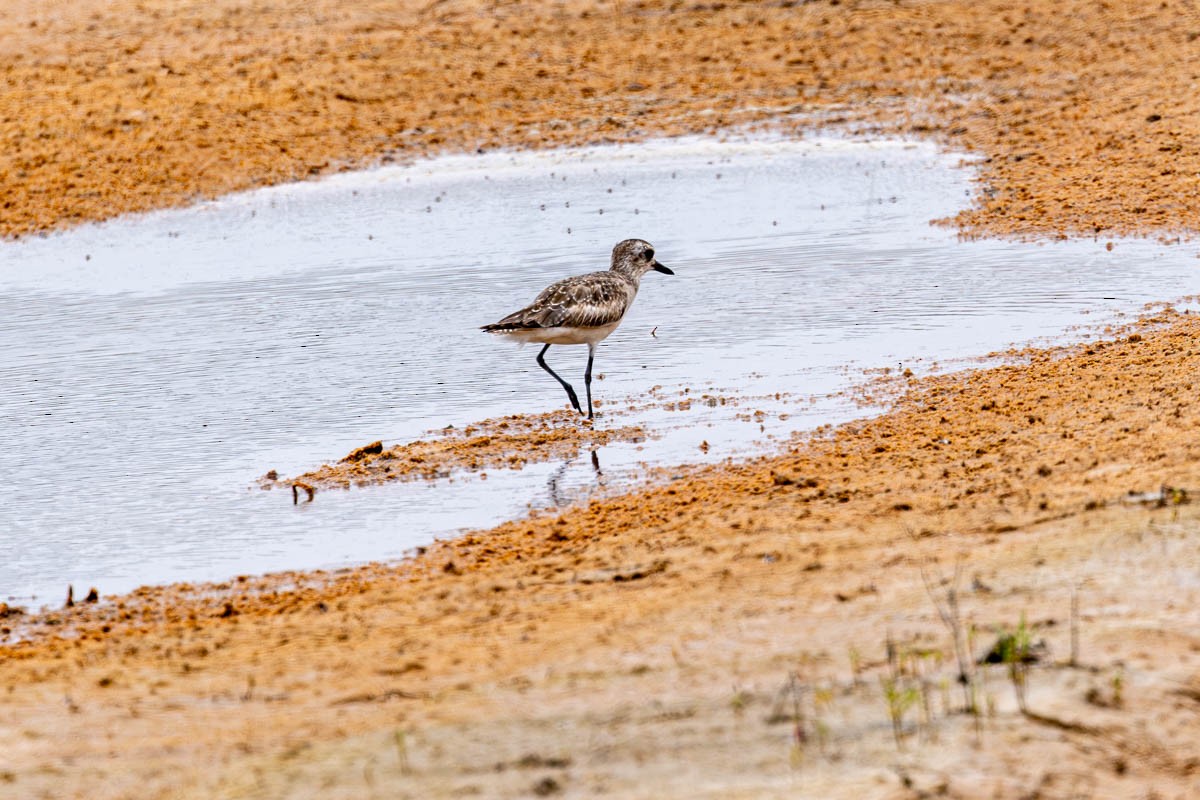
x=726, y=634
x=1087, y=112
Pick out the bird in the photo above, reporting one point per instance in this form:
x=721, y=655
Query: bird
x=583, y=309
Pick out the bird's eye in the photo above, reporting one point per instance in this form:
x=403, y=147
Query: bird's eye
x=648, y=255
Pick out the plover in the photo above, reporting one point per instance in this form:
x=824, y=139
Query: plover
x=582, y=310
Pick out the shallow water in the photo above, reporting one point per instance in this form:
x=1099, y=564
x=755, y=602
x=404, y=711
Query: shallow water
x=156, y=365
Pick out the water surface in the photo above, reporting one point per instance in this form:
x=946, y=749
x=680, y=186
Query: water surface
x=155, y=365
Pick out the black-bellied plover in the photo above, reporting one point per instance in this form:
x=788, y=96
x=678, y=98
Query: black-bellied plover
x=582, y=310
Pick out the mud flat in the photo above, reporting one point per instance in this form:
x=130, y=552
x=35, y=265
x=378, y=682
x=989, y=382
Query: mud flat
x=768, y=629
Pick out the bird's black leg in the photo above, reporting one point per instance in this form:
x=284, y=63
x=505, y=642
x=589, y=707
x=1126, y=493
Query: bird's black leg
x=570, y=392
x=587, y=378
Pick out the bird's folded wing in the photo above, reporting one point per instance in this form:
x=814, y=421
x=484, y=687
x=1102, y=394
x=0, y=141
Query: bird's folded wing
x=588, y=301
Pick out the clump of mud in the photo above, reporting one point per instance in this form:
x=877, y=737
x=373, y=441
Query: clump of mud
x=508, y=442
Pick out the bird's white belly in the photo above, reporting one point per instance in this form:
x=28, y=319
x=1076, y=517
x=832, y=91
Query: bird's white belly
x=563, y=335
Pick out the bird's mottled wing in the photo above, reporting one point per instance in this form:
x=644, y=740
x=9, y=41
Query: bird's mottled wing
x=586, y=301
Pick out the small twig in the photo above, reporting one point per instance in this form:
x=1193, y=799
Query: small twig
x=378, y=697
x=1074, y=661
x=949, y=611
x=1062, y=724
x=799, y=729
x=401, y=740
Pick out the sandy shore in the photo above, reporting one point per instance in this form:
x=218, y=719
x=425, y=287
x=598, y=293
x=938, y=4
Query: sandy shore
x=752, y=631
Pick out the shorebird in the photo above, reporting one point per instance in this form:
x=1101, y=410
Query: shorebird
x=582, y=310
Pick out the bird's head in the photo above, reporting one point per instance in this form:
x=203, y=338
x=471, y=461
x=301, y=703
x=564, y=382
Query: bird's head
x=634, y=257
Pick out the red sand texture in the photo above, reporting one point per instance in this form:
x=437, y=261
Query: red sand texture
x=726, y=634
x=1087, y=112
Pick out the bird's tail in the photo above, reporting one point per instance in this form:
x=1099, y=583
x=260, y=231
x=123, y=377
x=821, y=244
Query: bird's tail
x=509, y=324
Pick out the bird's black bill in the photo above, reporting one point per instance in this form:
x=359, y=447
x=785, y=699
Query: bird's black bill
x=660, y=268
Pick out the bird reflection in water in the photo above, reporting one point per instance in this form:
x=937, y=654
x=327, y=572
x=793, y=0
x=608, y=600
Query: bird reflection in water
x=560, y=495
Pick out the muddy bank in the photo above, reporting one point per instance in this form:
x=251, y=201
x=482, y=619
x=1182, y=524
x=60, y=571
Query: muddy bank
x=1085, y=112
x=504, y=443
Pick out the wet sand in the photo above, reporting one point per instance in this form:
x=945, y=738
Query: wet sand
x=505, y=443
x=726, y=633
